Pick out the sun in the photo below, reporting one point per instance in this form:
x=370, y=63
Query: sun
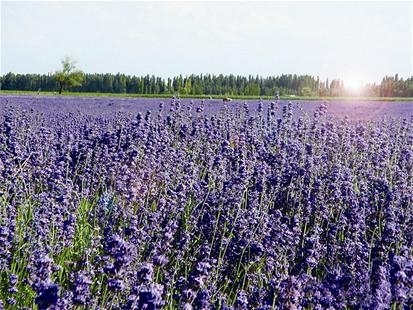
x=353, y=84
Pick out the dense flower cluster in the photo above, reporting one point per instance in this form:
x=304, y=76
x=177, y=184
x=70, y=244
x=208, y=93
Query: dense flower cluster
x=258, y=205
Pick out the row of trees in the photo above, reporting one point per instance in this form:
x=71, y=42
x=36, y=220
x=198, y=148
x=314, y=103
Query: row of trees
x=203, y=84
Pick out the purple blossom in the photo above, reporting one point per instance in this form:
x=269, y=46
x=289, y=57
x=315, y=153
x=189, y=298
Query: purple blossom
x=194, y=204
x=47, y=295
x=150, y=297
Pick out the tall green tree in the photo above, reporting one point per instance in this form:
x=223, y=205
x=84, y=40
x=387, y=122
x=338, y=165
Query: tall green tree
x=69, y=76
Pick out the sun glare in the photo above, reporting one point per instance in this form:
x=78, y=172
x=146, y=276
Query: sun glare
x=353, y=84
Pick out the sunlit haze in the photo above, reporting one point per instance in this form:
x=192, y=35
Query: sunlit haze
x=355, y=41
x=353, y=83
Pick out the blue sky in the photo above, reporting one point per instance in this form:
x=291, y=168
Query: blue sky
x=335, y=39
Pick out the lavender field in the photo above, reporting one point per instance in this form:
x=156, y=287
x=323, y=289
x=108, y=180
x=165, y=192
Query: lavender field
x=190, y=204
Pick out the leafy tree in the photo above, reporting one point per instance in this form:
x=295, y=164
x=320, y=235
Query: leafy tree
x=9, y=81
x=306, y=91
x=69, y=76
x=208, y=84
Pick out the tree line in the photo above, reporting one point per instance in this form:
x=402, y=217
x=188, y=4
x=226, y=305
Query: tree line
x=208, y=84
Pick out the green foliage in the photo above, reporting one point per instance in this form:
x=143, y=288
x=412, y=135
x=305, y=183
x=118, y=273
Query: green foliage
x=198, y=85
x=306, y=91
x=66, y=259
x=252, y=89
x=69, y=76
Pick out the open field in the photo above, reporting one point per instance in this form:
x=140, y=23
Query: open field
x=168, y=96
x=101, y=105
x=144, y=203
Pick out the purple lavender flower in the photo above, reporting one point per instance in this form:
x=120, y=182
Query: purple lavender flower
x=47, y=295
x=82, y=285
x=116, y=285
x=204, y=207
x=242, y=300
x=150, y=297
x=120, y=252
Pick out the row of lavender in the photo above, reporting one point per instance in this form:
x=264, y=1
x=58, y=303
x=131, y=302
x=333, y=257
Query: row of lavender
x=176, y=208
